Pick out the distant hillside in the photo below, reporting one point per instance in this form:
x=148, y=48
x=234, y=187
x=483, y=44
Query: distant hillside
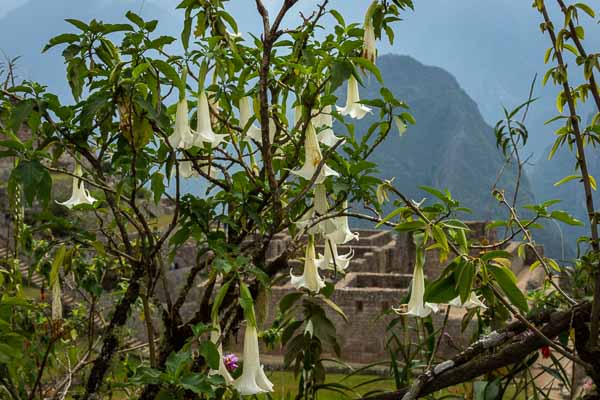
x=546, y=173
x=450, y=147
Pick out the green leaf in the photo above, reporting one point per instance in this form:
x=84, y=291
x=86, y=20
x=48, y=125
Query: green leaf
x=507, y=281
x=247, y=303
x=211, y=354
x=587, y=9
x=440, y=238
x=56, y=264
x=389, y=216
x=490, y=255
x=455, y=224
x=78, y=24
x=136, y=19
x=369, y=66
x=196, y=383
x=157, y=184
x=35, y=180
x=335, y=308
x=565, y=217
x=219, y=299
x=187, y=29
x=60, y=39
x=289, y=300
x=465, y=280
x=170, y=73
x=442, y=290
x=410, y=226
x=19, y=114
x=567, y=179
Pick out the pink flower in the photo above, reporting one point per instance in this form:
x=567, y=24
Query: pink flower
x=231, y=362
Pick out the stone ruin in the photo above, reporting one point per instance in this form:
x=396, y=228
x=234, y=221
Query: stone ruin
x=378, y=278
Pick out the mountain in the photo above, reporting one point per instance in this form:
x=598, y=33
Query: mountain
x=451, y=146
x=546, y=173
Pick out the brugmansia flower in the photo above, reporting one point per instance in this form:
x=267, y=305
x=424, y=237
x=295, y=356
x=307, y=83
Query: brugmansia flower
x=256, y=133
x=369, y=50
x=400, y=125
x=186, y=170
x=353, y=108
x=342, y=234
x=204, y=133
x=253, y=379
x=332, y=260
x=324, y=124
x=79, y=194
x=182, y=137
x=245, y=114
x=214, y=337
x=319, y=208
x=313, y=157
x=472, y=302
x=310, y=278
x=416, y=304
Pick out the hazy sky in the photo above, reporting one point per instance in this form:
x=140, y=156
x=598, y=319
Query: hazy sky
x=492, y=47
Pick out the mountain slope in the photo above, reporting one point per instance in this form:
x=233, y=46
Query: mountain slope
x=547, y=172
x=450, y=147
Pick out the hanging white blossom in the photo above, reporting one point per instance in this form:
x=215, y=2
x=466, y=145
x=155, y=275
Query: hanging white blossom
x=310, y=278
x=331, y=260
x=182, y=136
x=245, y=116
x=342, y=234
x=472, y=302
x=214, y=337
x=416, y=304
x=324, y=125
x=312, y=158
x=369, y=50
x=353, y=108
x=204, y=133
x=79, y=194
x=253, y=379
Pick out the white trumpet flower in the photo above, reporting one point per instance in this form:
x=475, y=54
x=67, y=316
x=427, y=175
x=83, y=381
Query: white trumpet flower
x=473, y=301
x=204, y=133
x=255, y=133
x=332, y=260
x=342, y=234
x=245, y=115
x=214, y=337
x=369, y=50
x=310, y=278
x=297, y=114
x=186, y=170
x=79, y=194
x=182, y=137
x=253, y=379
x=312, y=158
x=324, y=124
x=319, y=208
x=353, y=108
x=416, y=304
x=400, y=125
